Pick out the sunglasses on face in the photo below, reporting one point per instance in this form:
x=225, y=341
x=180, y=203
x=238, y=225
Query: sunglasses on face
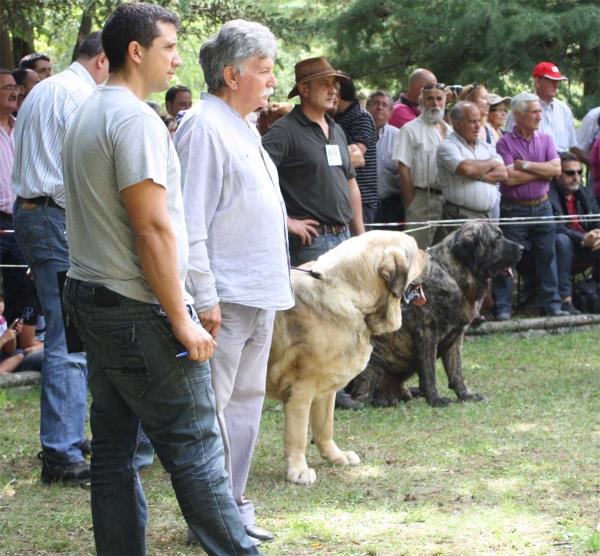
x=440, y=86
x=573, y=172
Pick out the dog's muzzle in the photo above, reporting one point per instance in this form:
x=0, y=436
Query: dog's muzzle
x=415, y=295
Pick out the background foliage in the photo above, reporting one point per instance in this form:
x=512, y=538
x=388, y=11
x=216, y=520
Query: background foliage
x=380, y=42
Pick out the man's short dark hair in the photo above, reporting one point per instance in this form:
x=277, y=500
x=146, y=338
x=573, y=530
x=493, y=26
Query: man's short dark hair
x=130, y=22
x=172, y=92
x=30, y=60
x=567, y=157
x=91, y=46
x=380, y=93
x=348, y=89
x=19, y=75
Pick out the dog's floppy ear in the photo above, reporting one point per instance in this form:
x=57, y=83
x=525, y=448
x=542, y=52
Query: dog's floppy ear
x=394, y=270
x=465, y=246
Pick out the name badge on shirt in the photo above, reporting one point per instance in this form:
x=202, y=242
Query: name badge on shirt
x=334, y=157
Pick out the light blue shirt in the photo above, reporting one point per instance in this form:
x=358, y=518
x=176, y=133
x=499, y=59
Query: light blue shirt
x=234, y=212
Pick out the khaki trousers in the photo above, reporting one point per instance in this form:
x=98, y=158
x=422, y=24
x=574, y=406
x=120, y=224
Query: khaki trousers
x=424, y=207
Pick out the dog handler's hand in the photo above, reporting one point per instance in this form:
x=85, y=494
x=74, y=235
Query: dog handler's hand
x=304, y=229
x=211, y=320
x=197, y=341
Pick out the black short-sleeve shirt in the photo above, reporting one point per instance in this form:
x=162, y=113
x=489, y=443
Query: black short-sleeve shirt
x=310, y=187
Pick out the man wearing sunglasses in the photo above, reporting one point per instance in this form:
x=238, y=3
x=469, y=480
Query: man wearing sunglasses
x=577, y=241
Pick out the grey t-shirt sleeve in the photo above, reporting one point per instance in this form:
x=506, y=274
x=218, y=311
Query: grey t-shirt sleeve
x=141, y=149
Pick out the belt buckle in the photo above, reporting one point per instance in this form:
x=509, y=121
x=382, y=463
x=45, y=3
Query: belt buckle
x=338, y=229
x=28, y=206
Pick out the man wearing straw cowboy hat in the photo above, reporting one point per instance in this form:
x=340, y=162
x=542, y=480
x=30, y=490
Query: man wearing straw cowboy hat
x=315, y=173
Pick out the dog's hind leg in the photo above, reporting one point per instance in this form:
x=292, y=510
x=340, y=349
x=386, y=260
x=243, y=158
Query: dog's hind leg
x=452, y=361
x=321, y=424
x=296, y=409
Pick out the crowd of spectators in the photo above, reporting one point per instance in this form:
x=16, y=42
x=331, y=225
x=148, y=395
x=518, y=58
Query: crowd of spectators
x=260, y=184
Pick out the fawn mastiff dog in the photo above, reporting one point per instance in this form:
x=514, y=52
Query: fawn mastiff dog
x=461, y=268
x=348, y=295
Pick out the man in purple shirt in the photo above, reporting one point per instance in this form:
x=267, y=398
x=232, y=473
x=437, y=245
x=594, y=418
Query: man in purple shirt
x=531, y=161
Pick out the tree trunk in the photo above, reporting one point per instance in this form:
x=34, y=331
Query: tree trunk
x=85, y=27
x=21, y=47
x=6, y=54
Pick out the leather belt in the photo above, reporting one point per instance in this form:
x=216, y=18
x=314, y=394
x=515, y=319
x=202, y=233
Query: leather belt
x=45, y=201
x=334, y=229
x=431, y=189
x=530, y=202
x=6, y=216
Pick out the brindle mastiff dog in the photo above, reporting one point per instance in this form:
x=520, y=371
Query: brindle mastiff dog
x=461, y=269
x=349, y=294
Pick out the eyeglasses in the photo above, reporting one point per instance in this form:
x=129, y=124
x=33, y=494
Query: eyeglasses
x=440, y=86
x=573, y=172
x=10, y=88
x=378, y=104
x=499, y=110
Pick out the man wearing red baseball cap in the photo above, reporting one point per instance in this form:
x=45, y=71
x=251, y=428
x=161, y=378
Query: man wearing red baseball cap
x=557, y=118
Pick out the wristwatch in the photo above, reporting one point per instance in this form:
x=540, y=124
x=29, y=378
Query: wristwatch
x=525, y=165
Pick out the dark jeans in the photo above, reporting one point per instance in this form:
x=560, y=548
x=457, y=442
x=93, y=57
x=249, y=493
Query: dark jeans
x=300, y=254
x=369, y=214
x=14, y=280
x=542, y=238
x=569, y=253
x=391, y=209
x=136, y=379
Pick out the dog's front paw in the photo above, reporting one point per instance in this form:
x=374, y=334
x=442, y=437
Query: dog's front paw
x=384, y=400
x=439, y=402
x=303, y=477
x=351, y=458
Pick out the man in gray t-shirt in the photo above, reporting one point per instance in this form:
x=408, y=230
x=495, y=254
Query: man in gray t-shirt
x=125, y=294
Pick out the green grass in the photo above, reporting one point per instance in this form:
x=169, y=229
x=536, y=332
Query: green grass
x=517, y=475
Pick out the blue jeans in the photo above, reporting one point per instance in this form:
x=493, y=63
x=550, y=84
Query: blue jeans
x=541, y=237
x=300, y=254
x=41, y=235
x=567, y=254
x=136, y=380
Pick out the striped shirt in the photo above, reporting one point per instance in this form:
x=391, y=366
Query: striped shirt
x=461, y=190
x=43, y=120
x=7, y=155
x=359, y=127
x=557, y=121
x=589, y=130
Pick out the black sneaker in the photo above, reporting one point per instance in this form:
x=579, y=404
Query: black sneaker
x=553, y=313
x=66, y=473
x=570, y=308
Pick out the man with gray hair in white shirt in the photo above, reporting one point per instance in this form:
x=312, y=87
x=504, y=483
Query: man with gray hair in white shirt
x=468, y=169
x=236, y=220
x=40, y=228
x=415, y=153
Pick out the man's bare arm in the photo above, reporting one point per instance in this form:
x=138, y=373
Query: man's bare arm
x=405, y=183
x=356, y=156
x=357, y=226
x=582, y=155
x=474, y=169
x=156, y=245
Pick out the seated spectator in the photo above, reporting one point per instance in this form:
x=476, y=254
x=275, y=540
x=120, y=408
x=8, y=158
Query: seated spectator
x=40, y=63
x=26, y=79
x=10, y=357
x=177, y=99
x=496, y=119
x=577, y=241
x=270, y=114
x=595, y=165
x=391, y=204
